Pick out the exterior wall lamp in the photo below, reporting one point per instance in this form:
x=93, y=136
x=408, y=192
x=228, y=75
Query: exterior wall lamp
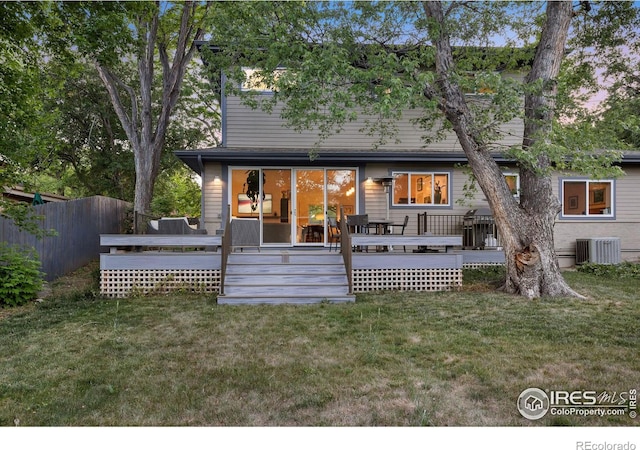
x=386, y=184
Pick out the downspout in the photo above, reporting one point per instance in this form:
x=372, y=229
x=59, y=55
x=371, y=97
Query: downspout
x=202, y=211
x=223, y=109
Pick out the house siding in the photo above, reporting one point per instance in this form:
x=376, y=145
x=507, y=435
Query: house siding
x=253, y=128
x=212, y=191
x=247, y=128
x=624, y=225
x=373, y=202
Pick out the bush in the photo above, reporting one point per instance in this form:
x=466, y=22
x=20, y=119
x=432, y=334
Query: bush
x=20, y=276
x=488, y=274
x=624, y=270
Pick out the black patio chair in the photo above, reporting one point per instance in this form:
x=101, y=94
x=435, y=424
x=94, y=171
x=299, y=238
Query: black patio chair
x=334, y=232
x=401, y=227
x=358, y=223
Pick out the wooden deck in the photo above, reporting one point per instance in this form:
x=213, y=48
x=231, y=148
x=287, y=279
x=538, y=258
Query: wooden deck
x=395, y=240
x=133, y=241
x=283, y=275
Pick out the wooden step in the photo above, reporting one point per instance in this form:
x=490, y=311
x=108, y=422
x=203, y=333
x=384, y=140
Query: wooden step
x=279, y=300
x=282, y=277
x=286, y=291
x=291, y=269
x=293, y=258
x=299, y=279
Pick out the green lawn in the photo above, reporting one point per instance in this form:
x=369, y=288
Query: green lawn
x=390, y=359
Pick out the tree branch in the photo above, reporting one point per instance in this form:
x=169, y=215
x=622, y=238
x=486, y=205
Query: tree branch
x=149, y=33
x=173, y=74
x=111, y=83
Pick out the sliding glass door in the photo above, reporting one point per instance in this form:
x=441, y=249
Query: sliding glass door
x=276, y=220
x=292, y=204
x=309, y=207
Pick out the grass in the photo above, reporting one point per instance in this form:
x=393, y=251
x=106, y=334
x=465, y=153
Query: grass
x=390, y=359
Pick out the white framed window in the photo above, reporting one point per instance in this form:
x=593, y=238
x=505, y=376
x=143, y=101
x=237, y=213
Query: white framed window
x=254, y=80
x=421, y=189
x=474, y=83
x=513, y=181
x=587, y=198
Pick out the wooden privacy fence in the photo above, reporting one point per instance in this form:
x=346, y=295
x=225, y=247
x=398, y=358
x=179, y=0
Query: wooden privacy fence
x=78, y=224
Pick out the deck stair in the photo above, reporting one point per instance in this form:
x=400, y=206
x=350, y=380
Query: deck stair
x=285, y=276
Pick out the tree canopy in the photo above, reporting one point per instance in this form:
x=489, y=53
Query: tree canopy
x=62, y=132
x=25, y=120
x=63, y=61
x=379, y=59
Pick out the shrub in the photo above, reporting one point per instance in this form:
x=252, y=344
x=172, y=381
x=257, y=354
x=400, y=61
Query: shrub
x=624, y=270
x=20, y=276
x=488, y=274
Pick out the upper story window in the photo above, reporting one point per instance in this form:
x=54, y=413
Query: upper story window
x=479, y=84
x=254, y=80
x=582, y=198
x=513, y=181
x=421, y=188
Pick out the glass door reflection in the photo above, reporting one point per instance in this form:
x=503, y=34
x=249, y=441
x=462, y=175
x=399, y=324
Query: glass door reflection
x=309, y=207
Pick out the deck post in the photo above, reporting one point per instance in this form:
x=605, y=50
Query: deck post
x=226, y=248
x=345, y=248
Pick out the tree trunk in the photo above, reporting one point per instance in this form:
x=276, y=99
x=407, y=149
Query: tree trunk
x=526, y=228
x=146, y=137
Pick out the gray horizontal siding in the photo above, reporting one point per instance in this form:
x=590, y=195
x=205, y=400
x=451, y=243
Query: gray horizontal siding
x=627, y=200
x=624, y=226
x=246, y=128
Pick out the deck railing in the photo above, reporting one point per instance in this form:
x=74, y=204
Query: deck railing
x=345, y=249
x=477, y=231
x=226, y=248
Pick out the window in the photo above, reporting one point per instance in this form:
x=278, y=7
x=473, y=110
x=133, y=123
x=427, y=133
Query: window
x=513, y=181
x=420, y=188
x=587, y=198
x=473, y=83
x=256, y=81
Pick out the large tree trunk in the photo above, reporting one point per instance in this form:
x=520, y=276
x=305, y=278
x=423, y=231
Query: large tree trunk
x=533, y=268
x=526, y=228
x=146, y=136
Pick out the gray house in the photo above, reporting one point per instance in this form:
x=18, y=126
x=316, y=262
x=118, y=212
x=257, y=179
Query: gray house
x=264, y=172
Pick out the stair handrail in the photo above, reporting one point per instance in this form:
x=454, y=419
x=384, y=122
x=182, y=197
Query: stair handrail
x=225, y=249
x=346, y=249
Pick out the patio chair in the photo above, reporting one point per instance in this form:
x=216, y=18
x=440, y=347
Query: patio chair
x=173, y=225
x=334, y=232
x=358, y=223
x=401, y=227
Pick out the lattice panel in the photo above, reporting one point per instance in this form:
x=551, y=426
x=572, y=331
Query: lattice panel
x=406, y=279
x=123, y=282
x=481, y=265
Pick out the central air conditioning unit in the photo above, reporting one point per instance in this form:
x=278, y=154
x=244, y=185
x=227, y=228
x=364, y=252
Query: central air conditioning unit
x=604, y=250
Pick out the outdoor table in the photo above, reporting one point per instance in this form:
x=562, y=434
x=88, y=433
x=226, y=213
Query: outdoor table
x=382, y=227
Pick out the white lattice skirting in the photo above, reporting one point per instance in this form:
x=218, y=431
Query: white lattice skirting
x=124, y=282
x=481, y=265
x=406, y=279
